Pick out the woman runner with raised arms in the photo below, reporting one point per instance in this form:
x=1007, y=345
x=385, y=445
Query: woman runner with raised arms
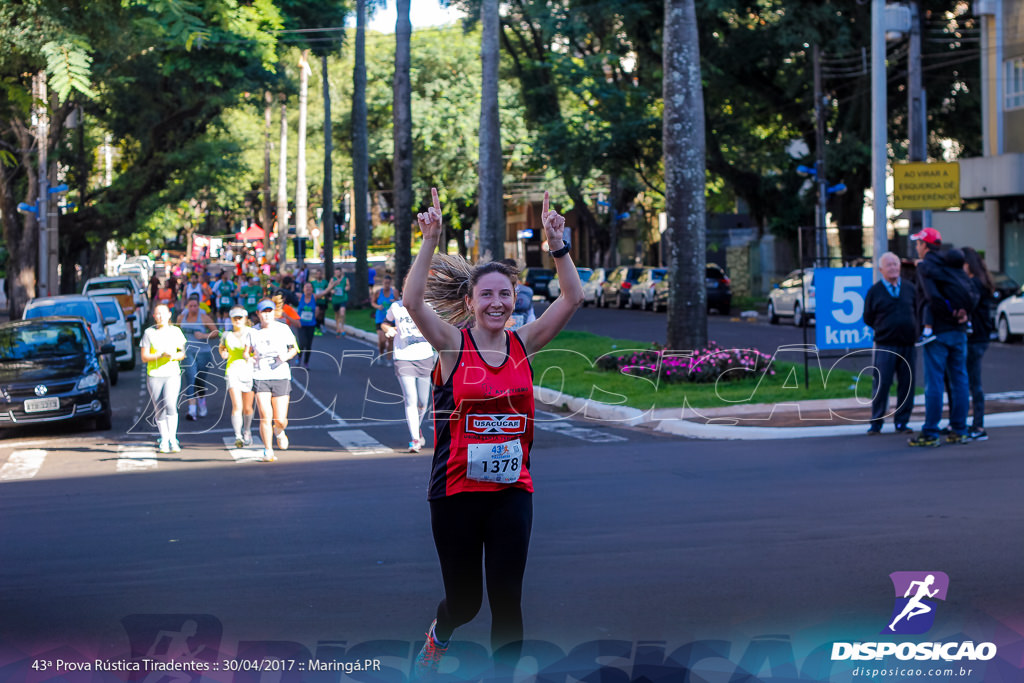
x=481, y=492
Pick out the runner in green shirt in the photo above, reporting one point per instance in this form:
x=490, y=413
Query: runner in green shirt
x=251, y=295
x=339, y=287
x=319, y=293
x=224, y=292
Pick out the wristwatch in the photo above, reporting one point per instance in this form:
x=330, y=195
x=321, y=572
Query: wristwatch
x=559, y=253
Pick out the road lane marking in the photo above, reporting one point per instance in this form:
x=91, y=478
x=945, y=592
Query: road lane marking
x=358, y=442
x=22, y=464
x=560, y=425
x=136, y=457
x=250, y=453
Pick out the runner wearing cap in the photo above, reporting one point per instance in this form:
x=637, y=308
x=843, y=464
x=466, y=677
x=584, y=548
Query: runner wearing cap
x=235, y=349
x=272, y=346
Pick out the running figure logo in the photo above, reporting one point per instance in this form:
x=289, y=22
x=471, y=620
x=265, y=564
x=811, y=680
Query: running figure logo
x=916, y=596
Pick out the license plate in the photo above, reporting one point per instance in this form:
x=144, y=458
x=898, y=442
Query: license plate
x=38, y=405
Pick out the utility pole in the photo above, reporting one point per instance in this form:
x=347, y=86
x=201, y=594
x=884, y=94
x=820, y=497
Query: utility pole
x=301, y=190
x=917, y=119
x=879, y=137
x=42, y=121
x=282, y=188
x=821, y=219
x=327, y=225
x=267, y=218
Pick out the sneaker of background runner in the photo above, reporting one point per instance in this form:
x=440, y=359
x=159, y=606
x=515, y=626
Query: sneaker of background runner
x=202, y=408
x=175, y=446
x=923, y=440
x=977, y=434
x=268, y=455
x=165, y=447
x=239, y=442
x=955, y=438
x=945, y=431
x=874, y=431
x=428, y=661
x=904, y=429
x=191, y=414
x=282, y=440
x=925, y=339
x=414, y=446
x=246, y=440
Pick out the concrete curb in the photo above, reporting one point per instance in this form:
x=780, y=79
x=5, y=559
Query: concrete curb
x=673, y=420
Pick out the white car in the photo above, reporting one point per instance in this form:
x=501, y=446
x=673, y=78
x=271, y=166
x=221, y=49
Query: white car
x=119, y=330
x=592, y=286
x=126, y=282
x=1010, y=318
x=786, y=299
x=554, y=289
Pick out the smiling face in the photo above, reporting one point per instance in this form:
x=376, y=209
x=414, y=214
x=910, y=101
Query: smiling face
x=161, y=315
x=266, y=317
x=492, y=302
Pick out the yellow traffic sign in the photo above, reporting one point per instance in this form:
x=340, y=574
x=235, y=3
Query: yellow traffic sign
x=926, y=185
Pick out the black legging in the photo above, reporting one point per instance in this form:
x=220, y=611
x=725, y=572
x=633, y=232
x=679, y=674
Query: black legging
x=494, y=527
x=305, y=339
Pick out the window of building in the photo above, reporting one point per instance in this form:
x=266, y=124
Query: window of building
x=1014, y=83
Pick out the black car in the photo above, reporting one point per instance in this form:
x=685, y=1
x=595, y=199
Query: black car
x=537, y=279
x=717, y=287
x=50, y=370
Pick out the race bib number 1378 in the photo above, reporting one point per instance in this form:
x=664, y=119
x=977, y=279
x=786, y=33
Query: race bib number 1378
x=499, y=463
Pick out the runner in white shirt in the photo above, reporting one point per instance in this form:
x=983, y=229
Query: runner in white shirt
x=414, y=361
x=272, y=346
x=162, y=349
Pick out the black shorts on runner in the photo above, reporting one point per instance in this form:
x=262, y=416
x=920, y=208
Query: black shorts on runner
x=274, y=387
x=338, y=307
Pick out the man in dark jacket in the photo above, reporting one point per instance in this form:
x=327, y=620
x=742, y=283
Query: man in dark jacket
x=889, y=311
x=946, y=354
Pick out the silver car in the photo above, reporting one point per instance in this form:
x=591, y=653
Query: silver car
x=793, y=297
x=554, y=289
x=119, y=330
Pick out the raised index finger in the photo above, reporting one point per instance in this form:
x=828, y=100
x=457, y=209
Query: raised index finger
x=437, y=201
x=544, y=206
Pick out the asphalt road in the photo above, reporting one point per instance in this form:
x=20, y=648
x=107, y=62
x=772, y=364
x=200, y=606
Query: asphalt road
x=643, y=544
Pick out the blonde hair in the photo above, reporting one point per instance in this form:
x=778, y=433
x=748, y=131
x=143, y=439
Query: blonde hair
x=451, y=280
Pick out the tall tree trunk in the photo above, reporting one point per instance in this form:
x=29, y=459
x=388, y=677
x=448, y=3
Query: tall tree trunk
x=492, y=205
x=282, y=186
x=403, y=142
x=20, y=229
x=301, y=190
x=328, y=216
x=683, y=135
x=268, y=100
x=360, y=292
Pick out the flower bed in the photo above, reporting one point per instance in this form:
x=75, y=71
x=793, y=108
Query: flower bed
x=707, y=365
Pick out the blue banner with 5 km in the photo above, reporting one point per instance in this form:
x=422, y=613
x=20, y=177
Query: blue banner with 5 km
x=839, y=297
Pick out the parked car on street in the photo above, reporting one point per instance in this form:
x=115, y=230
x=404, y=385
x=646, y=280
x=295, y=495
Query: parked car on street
x=137, y=271
x=642, y=293
x=718, y=290
x=119, y=329
x=537, y=279
x=83, y=307
x=1005, y=285
x=793, y=298
x=140, y=295
x=615, y=290
x=592, y=286
x=554, y=289
x=1010, y=318
x=52, y=369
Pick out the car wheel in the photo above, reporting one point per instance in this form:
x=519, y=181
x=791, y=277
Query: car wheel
x=601, y=303
x=798, y=316
x=105, y=420
x=130, y=363
x=114, y=374
x=1003, y=331
x=773, y=318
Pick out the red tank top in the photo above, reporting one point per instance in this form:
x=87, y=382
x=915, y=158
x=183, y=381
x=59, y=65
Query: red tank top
x=483, y=422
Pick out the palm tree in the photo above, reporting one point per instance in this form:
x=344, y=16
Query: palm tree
x=492, y=207
x=282, y=185
x=683, y=140
x=403, y=142
x=301, y=189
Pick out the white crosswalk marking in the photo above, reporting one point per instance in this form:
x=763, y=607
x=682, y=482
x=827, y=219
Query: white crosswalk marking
x=250, y=453
x=358, y=442
x=552, y=422
x=135, y=457
x=22, y=464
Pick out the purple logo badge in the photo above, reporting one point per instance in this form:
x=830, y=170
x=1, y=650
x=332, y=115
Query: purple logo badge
x=916, y=594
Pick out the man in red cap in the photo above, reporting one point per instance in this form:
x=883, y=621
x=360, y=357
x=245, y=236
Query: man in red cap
x=938, y=303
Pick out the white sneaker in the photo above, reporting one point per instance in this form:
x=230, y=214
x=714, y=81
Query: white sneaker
x=202, y=407
x=268, y=455
x=165, y=447
x=282, y=440
x=246, y=440
x=175, y=446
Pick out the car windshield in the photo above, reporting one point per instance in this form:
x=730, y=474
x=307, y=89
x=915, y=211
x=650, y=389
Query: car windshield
x=585, y=274
x=658, y=275
x=33, y=343
x=83, y=309
x=110, y=284
x=109, y=308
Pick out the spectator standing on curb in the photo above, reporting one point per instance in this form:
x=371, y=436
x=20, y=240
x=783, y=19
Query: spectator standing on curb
x=414, y=361
x=273, y=345
x=889, y=311
x=162, y=350
x=947, y=352
x=979, y=338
